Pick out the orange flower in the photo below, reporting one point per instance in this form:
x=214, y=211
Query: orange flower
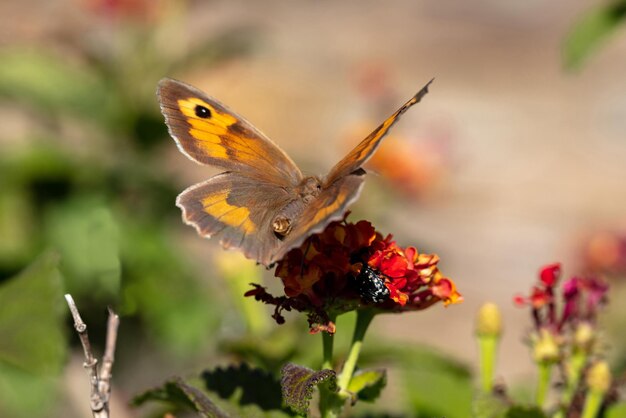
x=351, y=265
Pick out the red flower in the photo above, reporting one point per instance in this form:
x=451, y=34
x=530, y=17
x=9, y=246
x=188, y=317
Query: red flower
x=350, y=265
x=550, y=274
x=581, y=298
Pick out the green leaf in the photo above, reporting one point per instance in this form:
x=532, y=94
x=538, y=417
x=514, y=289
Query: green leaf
x=24, y=395
x=32, y=342
x=525, y=412
x=158, y=286
x=17, y=226
x=86, y=234
x=438, y=394
x=31, y=319
x=182, y=396
x=489, y=406
x=298, y=383
x=249, y=386
x=591, y=31
x=617, y=411
x=51, y=84
x=367, y=385
x=439, y=385
x=415, y=357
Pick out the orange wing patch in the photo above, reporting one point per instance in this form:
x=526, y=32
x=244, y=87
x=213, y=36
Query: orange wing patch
x=327, y=210
x=208, y=132
x=217, y=206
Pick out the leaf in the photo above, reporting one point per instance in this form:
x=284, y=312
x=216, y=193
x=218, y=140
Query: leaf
x=184, y=396
x=439, y=385
x=489, y=406
x=51, y=84
x=591, y=31
x=32, y=342
x=414, y=357
x=31, y=319
x=86, y=234
x=252, y=386
x=525, y=412
x=158, y=286
x=298, y=383
x=367, y=385
x=617, y=411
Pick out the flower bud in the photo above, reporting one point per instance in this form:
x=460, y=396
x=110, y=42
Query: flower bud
x=489, y=321
x=584, y=336
x=599, y=377
x=545, y=347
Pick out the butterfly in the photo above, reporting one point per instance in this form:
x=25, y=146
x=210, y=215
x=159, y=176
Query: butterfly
x=261, y=204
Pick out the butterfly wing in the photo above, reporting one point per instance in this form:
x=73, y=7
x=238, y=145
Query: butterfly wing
x=362, y=152
x=209, y=133
x=237, y=208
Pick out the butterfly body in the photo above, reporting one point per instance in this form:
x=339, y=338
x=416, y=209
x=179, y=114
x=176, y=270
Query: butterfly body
x=261, y=204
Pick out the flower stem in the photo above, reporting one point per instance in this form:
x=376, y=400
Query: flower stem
x=331, y=403
x=574, y=370
x=593, y=402
x=487, y=346
x=363, y=319
x=328, y=403
x=543, y=383
x=327, y=346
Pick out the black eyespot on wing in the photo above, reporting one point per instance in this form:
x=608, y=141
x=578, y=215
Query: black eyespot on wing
x=370, y=285
x=202, y=112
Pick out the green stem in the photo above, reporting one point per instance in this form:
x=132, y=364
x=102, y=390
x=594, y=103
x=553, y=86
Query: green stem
x=328, y=400
x=574, y=371
x=363, y=320
x=543, y=383
x=327, y=343
x=593, y=402
x=487, y=346
x=331, y=403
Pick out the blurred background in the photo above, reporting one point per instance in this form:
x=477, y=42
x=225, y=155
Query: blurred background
x=515, y=159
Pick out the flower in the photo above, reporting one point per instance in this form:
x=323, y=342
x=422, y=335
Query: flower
x=351, y=265
x=566, y=320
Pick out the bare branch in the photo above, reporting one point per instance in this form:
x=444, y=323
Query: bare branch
x=109, y=353
x=100, y=382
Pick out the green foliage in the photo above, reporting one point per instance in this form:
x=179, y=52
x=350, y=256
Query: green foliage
x=250, y=386
x=436, y=385
x=32, y=347
x=591, y=31
x=298, y=383
x=617, y=411
x=52, y=85
x=182, y=396
x=86, y=234
x=367, y=385
x=524, y=412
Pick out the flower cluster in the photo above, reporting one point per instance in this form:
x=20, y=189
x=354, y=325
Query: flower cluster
x=581, y=298
x=565, y=335
x=351, y=265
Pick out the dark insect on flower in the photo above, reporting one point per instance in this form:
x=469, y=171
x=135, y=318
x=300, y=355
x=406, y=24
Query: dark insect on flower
x=370, y=284
x=350, y=265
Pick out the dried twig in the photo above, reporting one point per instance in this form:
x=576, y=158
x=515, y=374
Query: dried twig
x=100, y=380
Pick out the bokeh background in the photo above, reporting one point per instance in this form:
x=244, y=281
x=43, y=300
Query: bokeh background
x=515, y=159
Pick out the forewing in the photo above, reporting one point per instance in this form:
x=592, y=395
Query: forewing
x=239, y=210
x=330, y=205
x=362, y=152
x=209, y=133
